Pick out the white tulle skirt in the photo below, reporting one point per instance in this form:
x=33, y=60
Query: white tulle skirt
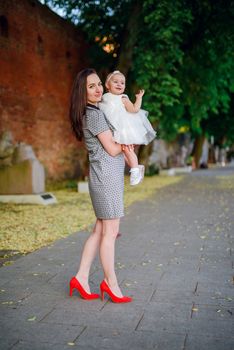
x=130, y=128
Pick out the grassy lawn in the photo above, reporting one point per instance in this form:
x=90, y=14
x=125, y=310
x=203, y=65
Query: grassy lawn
x=227, y=182
x=25, y=228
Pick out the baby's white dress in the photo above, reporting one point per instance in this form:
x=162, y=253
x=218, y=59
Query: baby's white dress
x=130, y=128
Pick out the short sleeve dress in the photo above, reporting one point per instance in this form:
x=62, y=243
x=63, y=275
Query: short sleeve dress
x=106, y=173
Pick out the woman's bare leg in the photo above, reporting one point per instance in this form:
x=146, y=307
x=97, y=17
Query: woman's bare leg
x=110, y=229
x=89, y=252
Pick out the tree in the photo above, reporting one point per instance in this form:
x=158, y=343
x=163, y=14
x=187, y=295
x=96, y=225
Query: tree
x=158, y=57
x=207, y=72
x=107, y=24
x=185, y=59
x=181, y=52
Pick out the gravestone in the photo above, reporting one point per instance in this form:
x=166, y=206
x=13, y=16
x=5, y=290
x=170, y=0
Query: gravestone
x=6, y=149
x=20, y=170
x=22, y=176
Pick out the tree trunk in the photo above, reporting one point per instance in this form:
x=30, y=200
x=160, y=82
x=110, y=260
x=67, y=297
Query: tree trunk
x=130, y=38
x=197, y=149
x=144, y=153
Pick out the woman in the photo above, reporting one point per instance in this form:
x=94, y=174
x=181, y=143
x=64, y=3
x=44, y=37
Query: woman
x=106, y=184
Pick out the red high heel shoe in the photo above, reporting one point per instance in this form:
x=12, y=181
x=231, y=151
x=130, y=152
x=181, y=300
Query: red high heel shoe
x=75, y=284
x=106, y=289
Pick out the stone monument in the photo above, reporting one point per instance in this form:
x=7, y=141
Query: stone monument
x=21, y=173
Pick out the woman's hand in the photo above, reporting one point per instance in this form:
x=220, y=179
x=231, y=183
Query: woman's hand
x=130, y=156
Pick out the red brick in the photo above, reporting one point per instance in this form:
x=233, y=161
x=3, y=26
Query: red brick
x=38, y=62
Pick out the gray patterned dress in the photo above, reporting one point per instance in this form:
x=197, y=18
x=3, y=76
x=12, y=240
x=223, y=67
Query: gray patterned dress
x=106, y=173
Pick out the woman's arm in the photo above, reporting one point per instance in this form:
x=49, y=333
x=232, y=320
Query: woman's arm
x=133, y=107
x=110, y=146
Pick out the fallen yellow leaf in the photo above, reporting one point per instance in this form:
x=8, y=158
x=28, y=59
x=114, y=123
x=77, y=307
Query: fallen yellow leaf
x=195, y=309
x=32, y=319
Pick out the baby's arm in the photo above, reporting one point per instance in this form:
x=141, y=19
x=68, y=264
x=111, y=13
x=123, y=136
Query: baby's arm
x=133, y=107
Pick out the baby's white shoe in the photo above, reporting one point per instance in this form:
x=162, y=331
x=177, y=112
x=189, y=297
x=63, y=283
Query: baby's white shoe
x=137, y=175
x=142, y=171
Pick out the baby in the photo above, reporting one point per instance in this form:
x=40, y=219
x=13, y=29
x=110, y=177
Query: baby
x=131, y=126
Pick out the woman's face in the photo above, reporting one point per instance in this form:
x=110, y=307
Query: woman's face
x=94, y=89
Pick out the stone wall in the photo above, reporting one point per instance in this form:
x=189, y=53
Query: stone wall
x=40, y=56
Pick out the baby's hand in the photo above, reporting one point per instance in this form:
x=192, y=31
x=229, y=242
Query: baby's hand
x=140, y=93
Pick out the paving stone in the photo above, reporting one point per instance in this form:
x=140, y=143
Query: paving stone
x=205, y=343
x=117, y=317
x=109, y=338
x=174, y=297
x=30, y=280
x=169, y=341
x=143, y=293
x=24, y=345
x=77, y=304
x=47, y=300
x=216, y=287
x=20, y=313
x=7, y=342
x=210, y=328
x=38, y=332
x=133, y=277
x=156, y=254
x=7, y=294
x=217, y=299
x=215, y=264
x=166, y=317
x=180, y=269
x=185, y=261
x=213, y=312
x=177, y=282
x=224, y=278
x=184, y=297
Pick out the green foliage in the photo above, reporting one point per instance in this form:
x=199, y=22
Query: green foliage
x=158, y=56
x=221, y=126
x=180, y=52
x=103, y=22
x=208, y=66
x=184, y=59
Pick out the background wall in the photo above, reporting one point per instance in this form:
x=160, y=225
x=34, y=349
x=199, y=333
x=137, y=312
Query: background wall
x=40, y=56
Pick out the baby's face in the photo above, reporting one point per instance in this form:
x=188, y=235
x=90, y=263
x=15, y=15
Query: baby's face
x=116, y=85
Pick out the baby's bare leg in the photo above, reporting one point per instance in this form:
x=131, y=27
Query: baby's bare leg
x=131, y=160
x=137, y=171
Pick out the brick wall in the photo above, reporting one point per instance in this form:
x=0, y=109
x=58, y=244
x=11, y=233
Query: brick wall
x=40, y=54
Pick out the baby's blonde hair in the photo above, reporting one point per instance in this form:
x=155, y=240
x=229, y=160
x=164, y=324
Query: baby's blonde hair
x=110, y=75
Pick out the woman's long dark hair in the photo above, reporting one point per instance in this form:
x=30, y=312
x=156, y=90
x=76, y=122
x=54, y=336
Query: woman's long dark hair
x=79, y=101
